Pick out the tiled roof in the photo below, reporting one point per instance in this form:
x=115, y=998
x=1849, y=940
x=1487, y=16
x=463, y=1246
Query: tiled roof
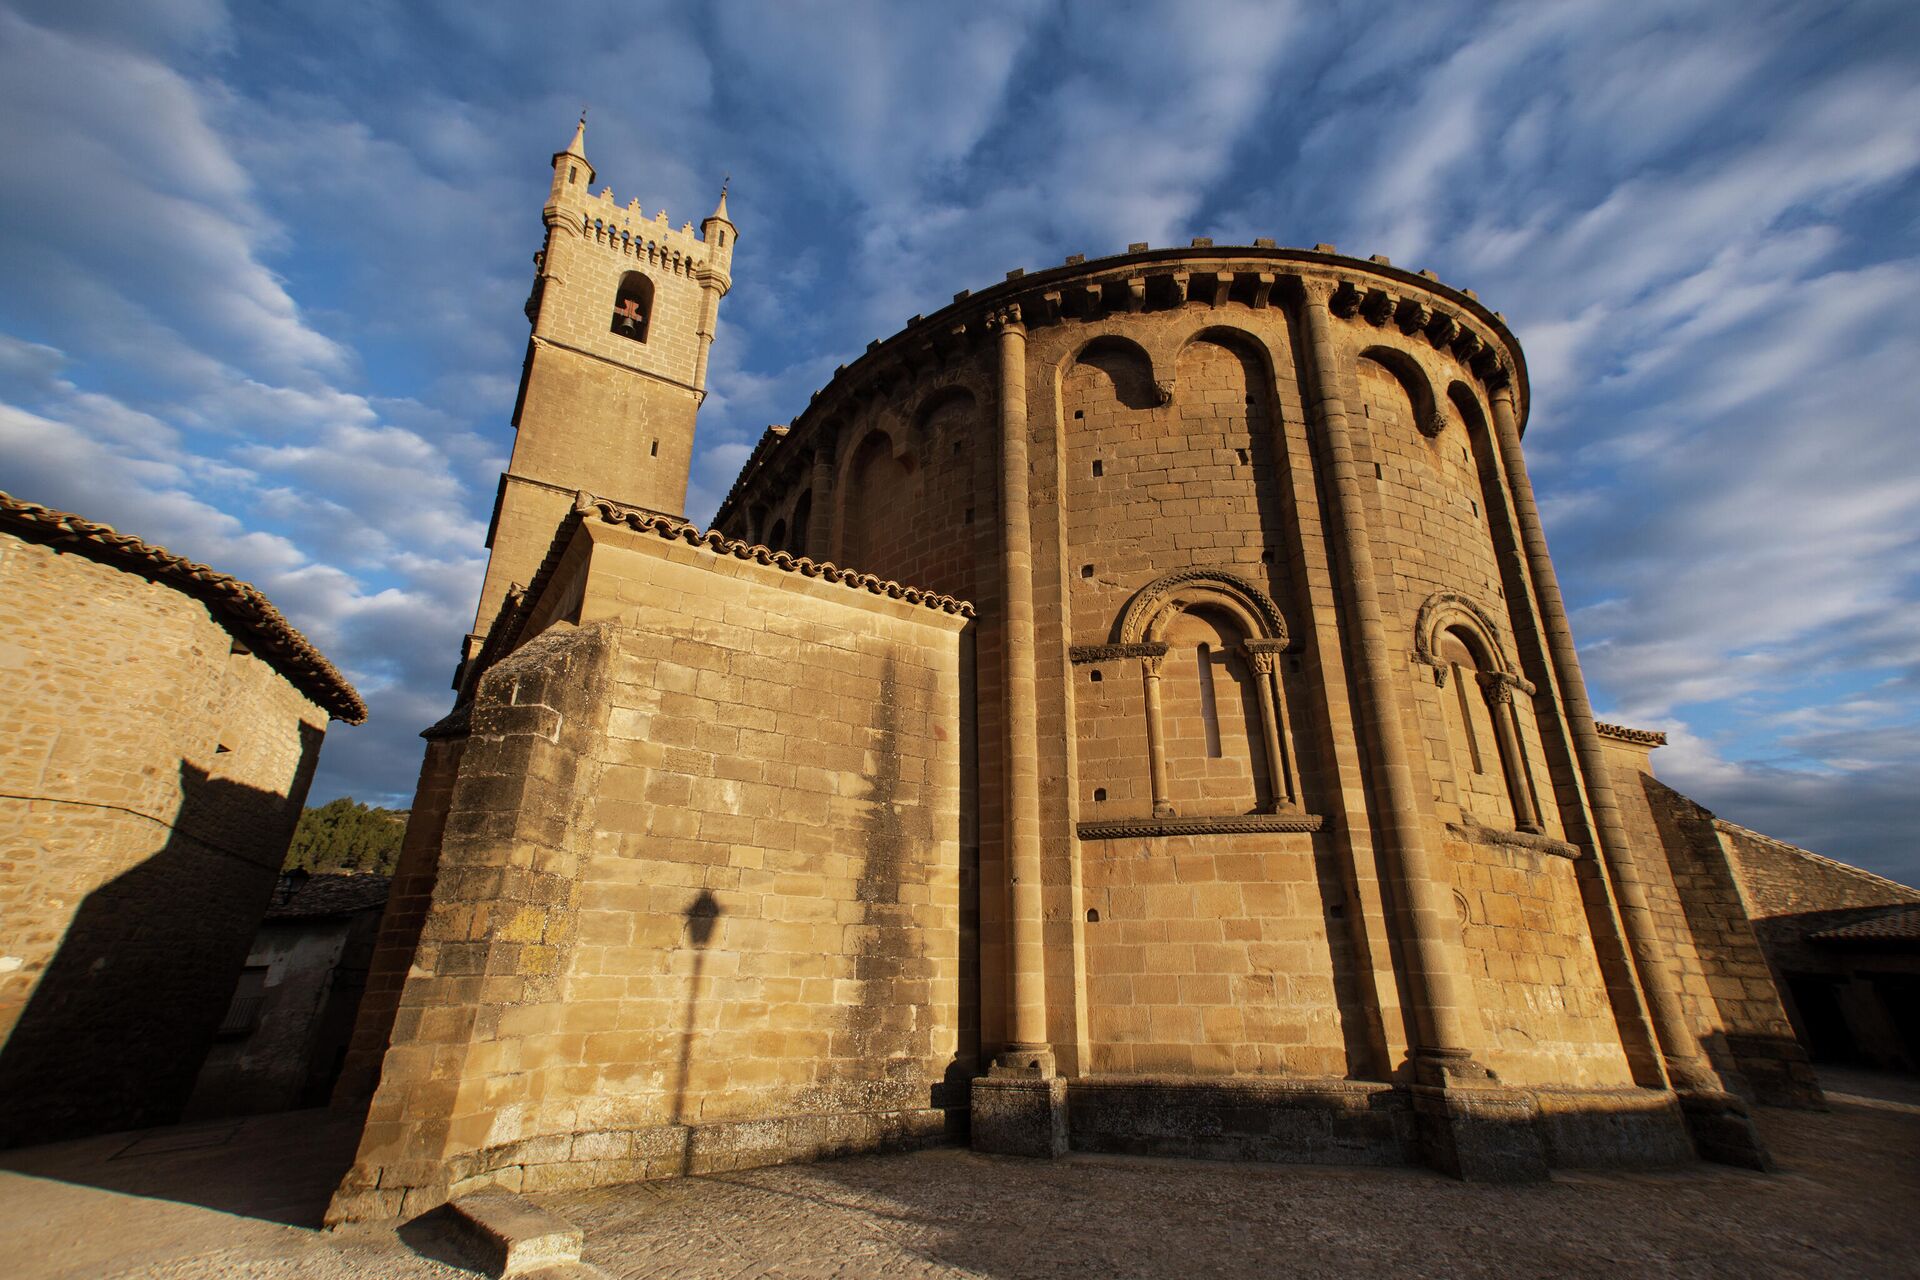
x=585, y=504
x=238, y=604
x=334, y=895
x=1899, y=924
x=1640, y=737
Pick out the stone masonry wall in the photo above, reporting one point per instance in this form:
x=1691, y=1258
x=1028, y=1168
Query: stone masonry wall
x=698, y=903
x=150, y=777
x=1543, y=1005
x=1701, y=916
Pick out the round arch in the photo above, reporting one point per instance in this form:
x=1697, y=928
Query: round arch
x=1413, y=379
x=1146, y=615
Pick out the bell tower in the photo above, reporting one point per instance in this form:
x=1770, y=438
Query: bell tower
x=623, y=310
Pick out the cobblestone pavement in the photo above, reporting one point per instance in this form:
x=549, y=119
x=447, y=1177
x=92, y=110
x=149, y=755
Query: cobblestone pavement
x=1845, y=1202
x=239, y=1200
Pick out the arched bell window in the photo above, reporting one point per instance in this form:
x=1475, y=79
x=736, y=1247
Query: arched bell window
x=633, y=307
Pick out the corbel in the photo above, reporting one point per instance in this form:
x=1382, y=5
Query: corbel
x=1413, y=315
x=1346, y=300
x=1136, y=294
x=1377, y=307
x=1262, y=289
x=1442, y=329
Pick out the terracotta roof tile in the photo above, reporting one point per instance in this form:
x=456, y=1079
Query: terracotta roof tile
x=237, y=604
x=1900, y=924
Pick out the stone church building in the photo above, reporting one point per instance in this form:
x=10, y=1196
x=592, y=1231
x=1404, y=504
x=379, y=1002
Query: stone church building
x=1130, y=709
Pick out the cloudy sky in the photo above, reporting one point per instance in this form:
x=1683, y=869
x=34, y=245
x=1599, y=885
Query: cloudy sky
x=261, y=269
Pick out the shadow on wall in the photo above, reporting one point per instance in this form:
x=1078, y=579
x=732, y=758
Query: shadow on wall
x=703, y=918
x=117, y=1026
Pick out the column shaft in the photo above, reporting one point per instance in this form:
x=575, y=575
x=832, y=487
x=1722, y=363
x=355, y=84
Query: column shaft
x=819, y=534
x=1424, y=903
x=1156, y=737
x=1677, y=1042
x=1262, y=666
x=1026, y=960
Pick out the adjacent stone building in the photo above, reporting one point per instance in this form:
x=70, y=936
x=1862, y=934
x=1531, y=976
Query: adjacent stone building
x=1131, y=709
x=158, y=732
x=285, y=1034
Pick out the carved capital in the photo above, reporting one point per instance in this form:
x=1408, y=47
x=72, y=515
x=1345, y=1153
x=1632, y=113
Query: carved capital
x=1262, y=660
x=1006, y=319
x=1497, y=688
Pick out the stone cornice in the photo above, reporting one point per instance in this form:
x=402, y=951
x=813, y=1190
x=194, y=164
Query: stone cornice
x=1083, y=653
x=1538, y=843
x=1639, y=737
x=1156, y=279
x=239, y=605
x=1223, y=825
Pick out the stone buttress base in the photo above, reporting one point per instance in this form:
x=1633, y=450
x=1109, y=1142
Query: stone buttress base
x=1723, y=1130
x=1020, y=1115
x=1479, y=1131
x=598, y=1158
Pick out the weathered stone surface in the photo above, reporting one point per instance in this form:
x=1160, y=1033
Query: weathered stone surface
x=512, y=1235
x=1020, y=1117
x=159, y=727
x=1288, y=1121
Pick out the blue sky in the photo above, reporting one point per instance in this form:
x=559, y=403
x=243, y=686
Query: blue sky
x=261, y=269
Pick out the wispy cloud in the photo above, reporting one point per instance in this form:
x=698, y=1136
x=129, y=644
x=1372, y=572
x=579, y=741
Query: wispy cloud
x=264, y=270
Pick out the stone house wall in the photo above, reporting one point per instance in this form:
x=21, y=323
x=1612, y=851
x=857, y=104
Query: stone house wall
x=1729, y=993
x=152, y=767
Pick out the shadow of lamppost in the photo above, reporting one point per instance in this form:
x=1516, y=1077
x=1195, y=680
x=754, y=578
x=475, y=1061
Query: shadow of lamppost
x=703, y=918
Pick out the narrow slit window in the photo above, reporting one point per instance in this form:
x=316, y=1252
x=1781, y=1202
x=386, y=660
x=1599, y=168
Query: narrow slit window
x=1099, y=469
x=1460, y=679
x=1209, y=708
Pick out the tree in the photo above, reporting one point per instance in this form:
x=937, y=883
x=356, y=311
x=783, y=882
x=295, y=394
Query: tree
x=345, y=836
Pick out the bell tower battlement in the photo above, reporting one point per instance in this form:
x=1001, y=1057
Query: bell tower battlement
x=623, y=311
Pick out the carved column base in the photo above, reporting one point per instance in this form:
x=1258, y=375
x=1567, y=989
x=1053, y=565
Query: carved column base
x=1024, y=1062
x=1020, y=1115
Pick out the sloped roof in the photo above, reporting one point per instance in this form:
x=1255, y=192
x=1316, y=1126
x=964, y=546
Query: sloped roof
x=239, y=605
x=1897, y=924
x=334, y=895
